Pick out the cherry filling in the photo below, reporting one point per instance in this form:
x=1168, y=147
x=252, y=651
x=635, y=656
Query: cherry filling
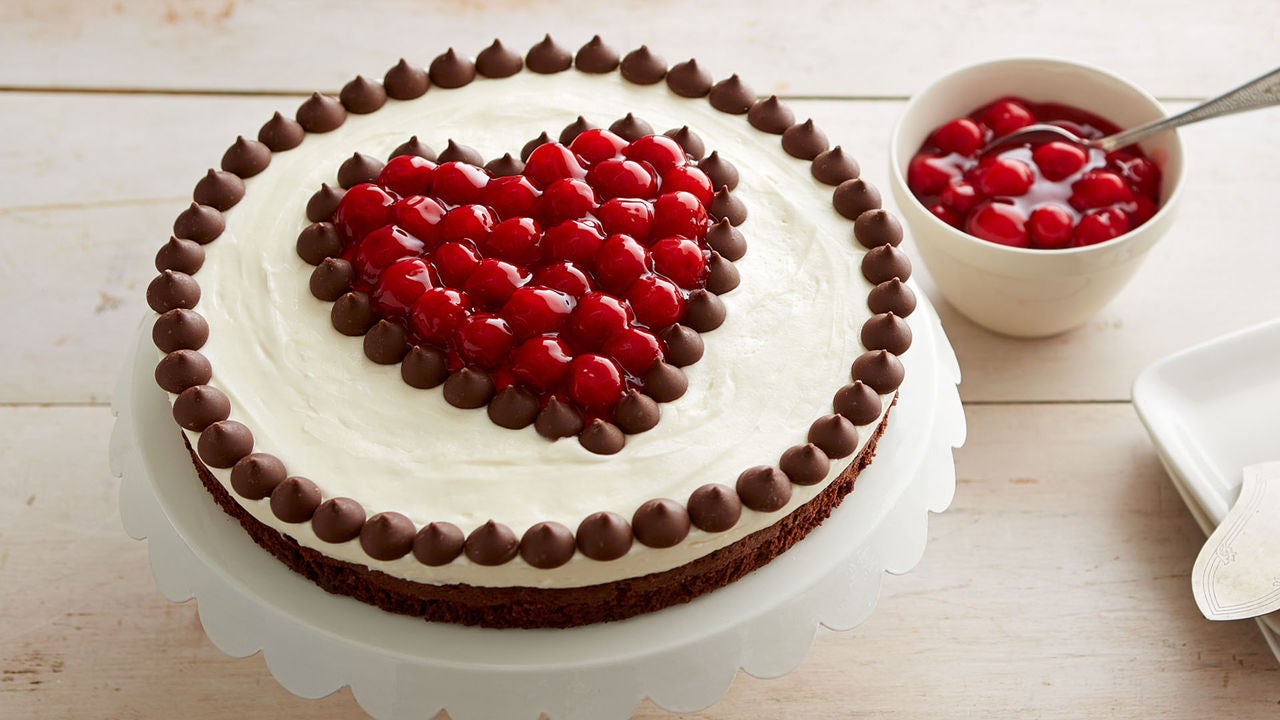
x=557, y=281
x=1048, y=195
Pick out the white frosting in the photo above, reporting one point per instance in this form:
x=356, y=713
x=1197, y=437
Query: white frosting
x=357, y=430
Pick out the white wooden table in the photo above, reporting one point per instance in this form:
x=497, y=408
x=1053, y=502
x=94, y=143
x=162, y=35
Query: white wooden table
x=1055, y=586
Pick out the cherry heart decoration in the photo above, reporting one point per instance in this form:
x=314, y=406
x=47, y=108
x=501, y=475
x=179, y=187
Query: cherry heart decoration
x=565, y=292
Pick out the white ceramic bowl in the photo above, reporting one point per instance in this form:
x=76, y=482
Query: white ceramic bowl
x=1019, y=291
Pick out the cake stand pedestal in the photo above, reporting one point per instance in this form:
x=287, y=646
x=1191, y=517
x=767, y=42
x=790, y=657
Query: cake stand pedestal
x=683, y=658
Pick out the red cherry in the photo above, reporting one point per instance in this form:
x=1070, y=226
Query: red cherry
x=459, y=183
x=400, y=286
x=516, y=240
x=467, y=222
x=550, y=162
x=1100, y=226
x=1050, y=227
x=1116, y=158
x=455, y=262
x=961, y=135
x=656, y=301
x=1006, y=177
x=635, y=350
x=619, y=262
x=483, y=339
x=1143, y=210
x=421, y=216
x=947, y=215
x=622, y=178
x=623, y=216
x=493, y=282
x=690, y=179
x=365, y=208
x=1006, y=115
x=960, y=196
x=407, y=175
x=597, y=318
x=573, y=240
x=512, y=196
x=1141, y=175
x=661, y=152
x=680, y=260
x=566, y=200
x=1099, y=188
x=438, y=312
x=929, y=174
x=973, y=172
x=565, y=277
x=382, y=247
x=1059, y=160
x=594, y=146
x=503, y=378
x=999, y=223
x=537, y=311
x=679, y=213
x=595, y=381
x=541, y=363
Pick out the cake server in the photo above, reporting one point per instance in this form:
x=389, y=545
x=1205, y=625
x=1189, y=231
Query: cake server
x=1237, y=574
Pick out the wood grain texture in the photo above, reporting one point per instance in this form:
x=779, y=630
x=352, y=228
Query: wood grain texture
x=89, y=203
x=800, y=47
x=1049, y=589
x=1055, y=587
x=72, y=150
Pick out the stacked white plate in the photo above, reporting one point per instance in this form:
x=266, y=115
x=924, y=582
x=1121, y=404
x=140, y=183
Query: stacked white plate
x=1212, y=410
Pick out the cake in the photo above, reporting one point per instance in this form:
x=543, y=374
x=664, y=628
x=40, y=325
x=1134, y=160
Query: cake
x=532, y=341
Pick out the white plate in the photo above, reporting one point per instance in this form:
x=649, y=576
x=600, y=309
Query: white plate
x=684, y=657
x=1211, y=410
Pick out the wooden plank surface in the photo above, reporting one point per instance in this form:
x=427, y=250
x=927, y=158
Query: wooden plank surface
x=88, y=231
x=1055, y=586
x=1048, y=590
x=1180, y=48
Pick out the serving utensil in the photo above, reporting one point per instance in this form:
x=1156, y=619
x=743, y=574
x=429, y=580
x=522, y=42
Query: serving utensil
x=1237, y=574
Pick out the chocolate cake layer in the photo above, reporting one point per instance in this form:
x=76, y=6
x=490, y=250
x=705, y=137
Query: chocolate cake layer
x=527, y=607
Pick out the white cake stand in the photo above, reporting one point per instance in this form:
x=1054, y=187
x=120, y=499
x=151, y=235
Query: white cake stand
x=683, y=658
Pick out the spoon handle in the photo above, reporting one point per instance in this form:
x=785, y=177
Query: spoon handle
x=1258, y=93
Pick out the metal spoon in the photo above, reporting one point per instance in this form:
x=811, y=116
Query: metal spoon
x=1259, y=93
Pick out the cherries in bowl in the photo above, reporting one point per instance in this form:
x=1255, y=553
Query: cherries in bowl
x=1031, y=240
x=1048, y=195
